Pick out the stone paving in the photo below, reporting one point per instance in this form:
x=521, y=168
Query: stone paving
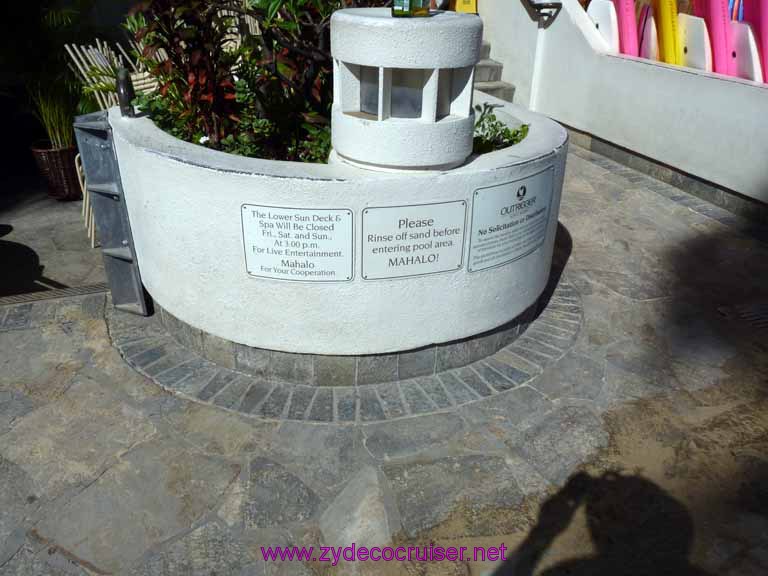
x=166, y=464
x=44, y=242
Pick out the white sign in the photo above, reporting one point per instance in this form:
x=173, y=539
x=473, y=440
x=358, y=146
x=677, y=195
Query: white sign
x=413, y=240
x=310, y=245
x=509, y=220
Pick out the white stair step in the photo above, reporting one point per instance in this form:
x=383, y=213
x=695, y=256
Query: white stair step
x=501, y=90
x=488, y=71
x=485, y=50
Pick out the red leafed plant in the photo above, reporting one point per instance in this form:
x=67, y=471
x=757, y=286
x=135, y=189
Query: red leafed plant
x=252, y=77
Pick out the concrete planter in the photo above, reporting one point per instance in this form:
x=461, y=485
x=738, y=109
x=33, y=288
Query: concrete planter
x=480, y=255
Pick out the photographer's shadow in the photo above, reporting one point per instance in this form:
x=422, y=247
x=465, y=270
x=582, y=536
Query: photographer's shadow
x=636, y=527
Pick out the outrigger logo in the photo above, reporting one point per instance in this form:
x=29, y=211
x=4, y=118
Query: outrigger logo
x=521, y=205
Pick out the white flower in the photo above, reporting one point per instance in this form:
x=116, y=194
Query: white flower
x=204, y=139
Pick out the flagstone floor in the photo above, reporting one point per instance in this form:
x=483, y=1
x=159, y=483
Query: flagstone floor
x=635, y=443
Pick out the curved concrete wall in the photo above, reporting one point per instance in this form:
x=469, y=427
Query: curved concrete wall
x=185, y=203
x=711, y=126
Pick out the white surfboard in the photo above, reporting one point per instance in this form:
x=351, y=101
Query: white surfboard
x=695, y=48
x=747, y=56
x=603, y=14
x=649, y=41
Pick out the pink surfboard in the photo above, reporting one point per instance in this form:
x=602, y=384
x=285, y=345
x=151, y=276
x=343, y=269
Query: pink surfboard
x=646, y=34
x=756, y=13
x=718, y=18
x=625, y=12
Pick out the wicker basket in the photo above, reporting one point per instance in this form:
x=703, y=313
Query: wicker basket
x=58, y=167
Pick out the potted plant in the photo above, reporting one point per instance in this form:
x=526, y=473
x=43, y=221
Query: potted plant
x=55, y=157
x=54, y=94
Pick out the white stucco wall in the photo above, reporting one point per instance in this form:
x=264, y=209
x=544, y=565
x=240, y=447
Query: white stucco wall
x=185, y=202
x=711, y=126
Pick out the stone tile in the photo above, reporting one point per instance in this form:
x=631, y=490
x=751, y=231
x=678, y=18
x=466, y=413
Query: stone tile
x=17, y=501
x=552, y=337
x=13, y=406
x=215, y=431
x=208, y=549
x=530, y=355
x=137, y=346
x=254, y=361
x=335, y=370
x=416, y=363
x=258, y=391
x=17, y=317
x=300, y=400
x=412, y=436
x=491, y=377
x=509, y=413
x=538, y=347
x=276, y=497
x=449, y=356
x=456, y=388
x=322, y=407
x=67, y=443
x=574, y=376
x=418, y=402
x=555, y=306
x=483, y=346
x=231, y=396
x=370, y=408
x=509, y=335
x=294, y=368
x=273, y=406
x=391, y=400
x=475, y=381
x=434, y=389
x=156, y=491
x=346, y=404
x=427, y=492
x=557, y=444
x=507, y=369
x=218, y=350
x=31, y=557
x=548, y=327
x=363, y=514
x=216, y=384
x=173, y=359
x=189, y=377
x=325, y=457
x=185, y=334
x=376, y=369
x=152, y=355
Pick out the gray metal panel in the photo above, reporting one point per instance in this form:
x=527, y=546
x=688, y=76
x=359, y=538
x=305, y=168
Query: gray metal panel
x=102, y=174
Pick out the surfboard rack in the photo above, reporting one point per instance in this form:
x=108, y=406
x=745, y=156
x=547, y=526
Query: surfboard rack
x=543, y=12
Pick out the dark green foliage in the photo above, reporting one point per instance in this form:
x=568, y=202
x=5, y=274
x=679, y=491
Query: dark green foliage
x=492, y=134
x=266, y=95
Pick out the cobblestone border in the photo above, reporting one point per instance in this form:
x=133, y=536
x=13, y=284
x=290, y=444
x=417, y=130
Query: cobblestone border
x=148, y=347
x=355, y=370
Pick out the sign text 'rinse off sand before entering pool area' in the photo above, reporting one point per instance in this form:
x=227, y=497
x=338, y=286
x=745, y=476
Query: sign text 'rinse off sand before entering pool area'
x=310, y=245
x=413, y=240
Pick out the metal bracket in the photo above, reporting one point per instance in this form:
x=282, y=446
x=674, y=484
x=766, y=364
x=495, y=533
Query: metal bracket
x=125, y=93
x=543, y=12
x=96, y=145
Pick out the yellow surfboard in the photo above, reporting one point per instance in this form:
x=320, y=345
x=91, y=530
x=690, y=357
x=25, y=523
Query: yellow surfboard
x=665, y=14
